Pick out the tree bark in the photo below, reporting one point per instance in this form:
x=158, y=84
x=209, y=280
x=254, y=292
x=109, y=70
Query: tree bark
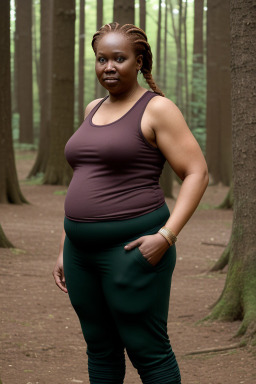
x=177, y=38
x=238, y=299
x=15, y=108
x=165, y=47
x=124, y=11
x=158, y=45
x=143, y=14
x=24, y=57
x=45, y=87
x=218, y=117
x=166, y=180
x=4, y=242
x=186, y=107
x=81, y=61
x=35, y=54
x=99, y=90
x=223, y=260
x=228, y=202
x=62, y=107
x=9, y=187
x=198, y=80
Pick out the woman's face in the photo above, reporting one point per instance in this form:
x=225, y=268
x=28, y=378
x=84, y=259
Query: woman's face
x=116, y=64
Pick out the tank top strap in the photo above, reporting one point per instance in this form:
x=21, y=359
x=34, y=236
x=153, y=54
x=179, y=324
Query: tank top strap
x=140, y=106
x=96, y=107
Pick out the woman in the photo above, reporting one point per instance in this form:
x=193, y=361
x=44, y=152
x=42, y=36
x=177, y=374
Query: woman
x=119, y=236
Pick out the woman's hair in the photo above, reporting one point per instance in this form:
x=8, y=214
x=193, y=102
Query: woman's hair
x=139, y=41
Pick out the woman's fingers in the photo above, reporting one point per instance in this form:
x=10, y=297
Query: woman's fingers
x=133, y=244
x=60, y=280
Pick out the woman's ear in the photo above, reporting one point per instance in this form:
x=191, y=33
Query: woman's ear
x=139, y=62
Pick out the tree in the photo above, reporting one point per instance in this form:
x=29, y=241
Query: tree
x=198, y=83
x=124, y=11
x=166, y=179
x=165, y=46
x=44, y=87
x=218, y=116
x=158, y=44
x=177, y=39
x=4, y=242
x=238, y=299
x=62, y=106
x=9, y=187
x=186, y=112
x=24, y=58
x=81, y=61
x=143, y=14
x=99, y=90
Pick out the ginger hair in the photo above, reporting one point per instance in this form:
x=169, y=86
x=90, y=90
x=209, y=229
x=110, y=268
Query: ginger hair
x=139, y=41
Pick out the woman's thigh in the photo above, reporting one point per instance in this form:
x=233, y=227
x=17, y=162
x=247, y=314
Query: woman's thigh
x=87, y=297
x=138, y=296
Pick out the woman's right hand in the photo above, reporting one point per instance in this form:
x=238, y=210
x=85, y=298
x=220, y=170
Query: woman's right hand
x=58, y=274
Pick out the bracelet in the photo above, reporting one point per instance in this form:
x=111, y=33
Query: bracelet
x=168, y=235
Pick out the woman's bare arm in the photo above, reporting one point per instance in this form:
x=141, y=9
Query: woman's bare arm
x=184, y=155
x=58, y=271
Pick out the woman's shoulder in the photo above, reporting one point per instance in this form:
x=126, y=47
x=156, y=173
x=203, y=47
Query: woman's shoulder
x=162, y=108
x=163, y=105
x=90, y=106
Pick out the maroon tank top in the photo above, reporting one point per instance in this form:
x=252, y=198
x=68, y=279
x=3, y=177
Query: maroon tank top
x=116, y=170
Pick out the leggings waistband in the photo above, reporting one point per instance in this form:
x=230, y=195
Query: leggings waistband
x=111, y=233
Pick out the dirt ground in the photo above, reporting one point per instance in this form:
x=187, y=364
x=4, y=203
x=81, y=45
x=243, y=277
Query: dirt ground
x=40, y=336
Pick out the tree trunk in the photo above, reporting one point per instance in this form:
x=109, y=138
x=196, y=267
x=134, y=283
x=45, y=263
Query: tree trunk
x=158, y=45
x=165, y=47
x=24, y=57
x=198, y=80
x=15, y=108
x=177, y=38
x=9, y=186
x=228, y=202
x=45, y=87
x=166, y=180
x=179, y=82
x=99, y=90
x=124, y=11
x=81, y=61
x=223, y=260
x=62, y=107
x=218, y=120
x=186, y=107
x=4, y=242
x=238, y=299
x=143, y=14
x=34, y=47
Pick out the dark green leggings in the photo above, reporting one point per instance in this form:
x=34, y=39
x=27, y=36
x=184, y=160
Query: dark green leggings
x=121, y=300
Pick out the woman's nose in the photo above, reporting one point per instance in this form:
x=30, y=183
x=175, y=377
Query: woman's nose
x=110, y=66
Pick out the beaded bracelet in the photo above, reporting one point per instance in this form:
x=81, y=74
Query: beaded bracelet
x=168, y=235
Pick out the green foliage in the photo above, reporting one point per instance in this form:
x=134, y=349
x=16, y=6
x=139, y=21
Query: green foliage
x=200, y=135
x=34, y=180
x=61, y=192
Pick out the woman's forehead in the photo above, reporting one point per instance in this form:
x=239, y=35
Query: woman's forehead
x=114, y=41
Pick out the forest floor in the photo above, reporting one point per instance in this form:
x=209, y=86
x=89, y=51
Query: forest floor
x=40, y=337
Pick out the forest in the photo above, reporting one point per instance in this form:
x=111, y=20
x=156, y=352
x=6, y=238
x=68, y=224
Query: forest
x=204, y=60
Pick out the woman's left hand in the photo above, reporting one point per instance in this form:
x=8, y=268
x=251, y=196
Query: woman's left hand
x=152, y=247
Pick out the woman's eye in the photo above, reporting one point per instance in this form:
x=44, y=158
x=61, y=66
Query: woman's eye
x=101, y=59
x=120, y=59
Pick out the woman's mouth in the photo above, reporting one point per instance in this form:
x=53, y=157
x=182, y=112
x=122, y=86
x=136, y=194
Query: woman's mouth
x=111, y=80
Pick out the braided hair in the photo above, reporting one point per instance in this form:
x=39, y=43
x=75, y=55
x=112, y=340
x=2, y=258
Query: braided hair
x=139, y=41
